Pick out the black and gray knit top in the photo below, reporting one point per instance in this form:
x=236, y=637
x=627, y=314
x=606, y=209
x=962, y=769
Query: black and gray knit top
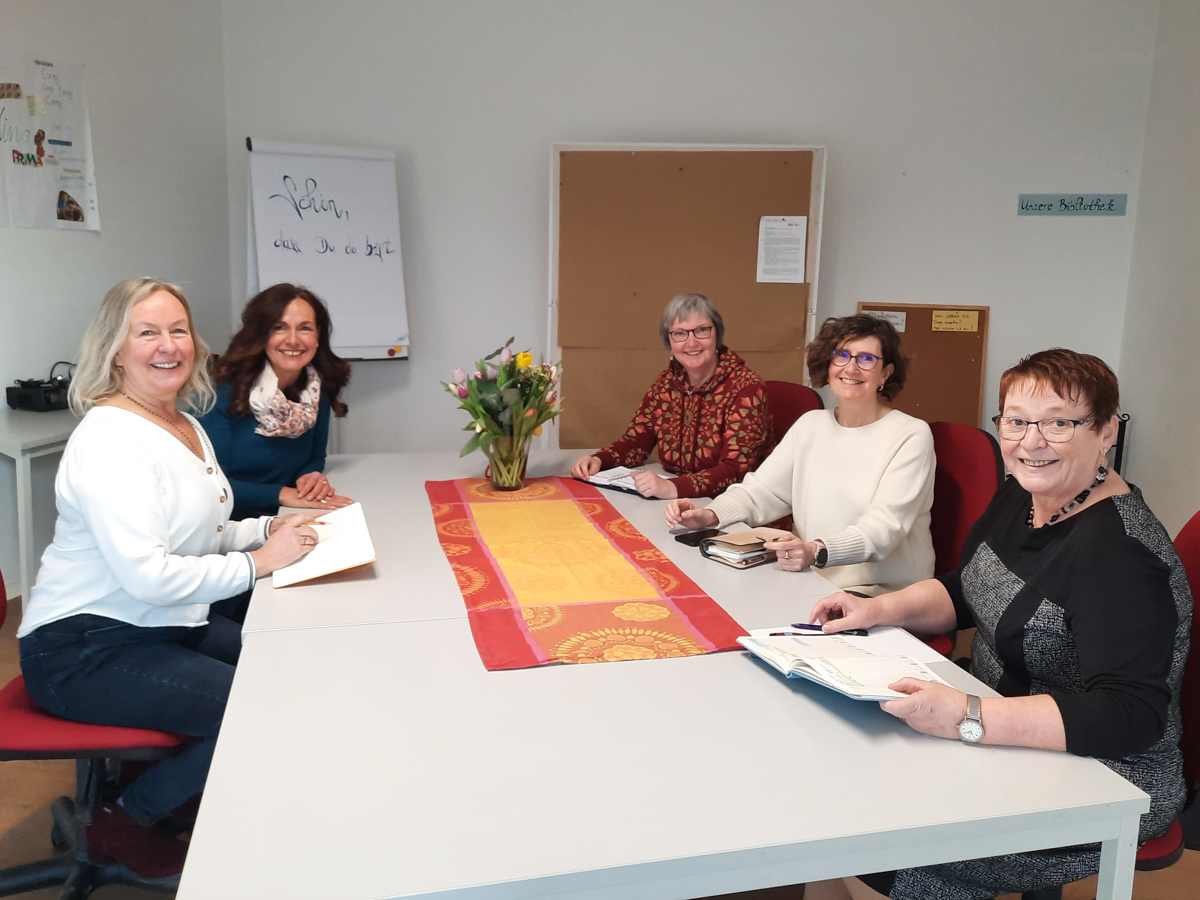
x=1095, y=611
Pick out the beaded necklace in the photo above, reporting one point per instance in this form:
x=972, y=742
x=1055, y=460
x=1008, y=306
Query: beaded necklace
x=1101, y=474
x=154, y=412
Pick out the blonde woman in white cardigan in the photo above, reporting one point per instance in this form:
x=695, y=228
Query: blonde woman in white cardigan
x=118, y=630
x=857, y=480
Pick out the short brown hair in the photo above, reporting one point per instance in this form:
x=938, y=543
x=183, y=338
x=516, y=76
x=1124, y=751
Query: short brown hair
x=1077, y=377
x=835, y=332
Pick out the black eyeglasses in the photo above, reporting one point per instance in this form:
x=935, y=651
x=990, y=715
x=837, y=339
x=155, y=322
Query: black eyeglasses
x=1056, y=431
x=866, y=361
x=680, y=335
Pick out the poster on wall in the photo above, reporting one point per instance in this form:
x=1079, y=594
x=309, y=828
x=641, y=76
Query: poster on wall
x=48, y=178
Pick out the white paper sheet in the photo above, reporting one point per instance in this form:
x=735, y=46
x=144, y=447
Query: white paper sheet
x=781, y=249
x=48, y=176
x=343, y=542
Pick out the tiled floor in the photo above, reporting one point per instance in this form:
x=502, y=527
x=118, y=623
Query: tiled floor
x=27, y=788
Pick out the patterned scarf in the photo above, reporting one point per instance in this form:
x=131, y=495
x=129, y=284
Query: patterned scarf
x=277, y=415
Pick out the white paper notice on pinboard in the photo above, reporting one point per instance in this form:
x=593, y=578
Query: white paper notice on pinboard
x=781, y=249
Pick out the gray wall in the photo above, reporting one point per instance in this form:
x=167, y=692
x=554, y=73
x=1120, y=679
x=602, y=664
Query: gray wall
x=154, y=86
x=936, y=116
x=1159, y=382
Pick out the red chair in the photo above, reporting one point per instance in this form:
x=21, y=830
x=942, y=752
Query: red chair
x=969, y=472
x=789, y=401
x=1167, y=848
x=28, y=732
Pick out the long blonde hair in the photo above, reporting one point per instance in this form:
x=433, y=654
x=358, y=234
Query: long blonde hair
x=96, y=377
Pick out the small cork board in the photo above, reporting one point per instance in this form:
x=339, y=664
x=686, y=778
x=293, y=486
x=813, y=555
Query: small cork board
x=636, y=227
x=948, y=347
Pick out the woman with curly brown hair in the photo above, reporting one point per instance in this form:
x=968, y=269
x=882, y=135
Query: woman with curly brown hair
x=276, y=386
x=857, y=480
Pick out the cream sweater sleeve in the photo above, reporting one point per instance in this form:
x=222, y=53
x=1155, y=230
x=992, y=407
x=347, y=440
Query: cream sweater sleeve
x=765, y=494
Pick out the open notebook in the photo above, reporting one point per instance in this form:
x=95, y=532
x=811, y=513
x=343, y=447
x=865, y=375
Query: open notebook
x=343, y=542
x=837, y=663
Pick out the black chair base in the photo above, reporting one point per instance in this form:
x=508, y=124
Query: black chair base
x=78, y=871
x=1043, y=894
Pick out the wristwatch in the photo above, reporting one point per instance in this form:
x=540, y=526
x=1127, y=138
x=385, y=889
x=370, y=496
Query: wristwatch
x=822, y=556
x=970, y=729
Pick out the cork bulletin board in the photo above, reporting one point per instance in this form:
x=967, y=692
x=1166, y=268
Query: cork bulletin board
x=948, y=346
x=634, y=227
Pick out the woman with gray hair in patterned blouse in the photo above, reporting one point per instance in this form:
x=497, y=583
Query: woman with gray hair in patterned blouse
x=1083, y=614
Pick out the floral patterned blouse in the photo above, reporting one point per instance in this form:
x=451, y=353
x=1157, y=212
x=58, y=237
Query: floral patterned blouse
x=709, y=436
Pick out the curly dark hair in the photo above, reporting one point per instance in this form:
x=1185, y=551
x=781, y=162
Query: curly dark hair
x=835, y=332
x=243, y=362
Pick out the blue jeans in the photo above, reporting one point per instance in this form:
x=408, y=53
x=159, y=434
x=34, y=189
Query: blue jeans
x=106, y=672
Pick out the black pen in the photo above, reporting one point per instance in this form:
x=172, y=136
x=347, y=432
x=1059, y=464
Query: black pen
x=817, y=629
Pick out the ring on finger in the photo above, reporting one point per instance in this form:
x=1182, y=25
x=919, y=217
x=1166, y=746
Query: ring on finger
x=787, y=554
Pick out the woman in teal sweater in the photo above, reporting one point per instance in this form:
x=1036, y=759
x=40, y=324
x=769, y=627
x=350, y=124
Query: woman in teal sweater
x=276, y=386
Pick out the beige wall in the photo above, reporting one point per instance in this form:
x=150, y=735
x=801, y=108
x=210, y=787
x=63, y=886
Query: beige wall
x=1160, y=378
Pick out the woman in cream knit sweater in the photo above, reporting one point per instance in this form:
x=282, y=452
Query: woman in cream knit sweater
x=857, y=480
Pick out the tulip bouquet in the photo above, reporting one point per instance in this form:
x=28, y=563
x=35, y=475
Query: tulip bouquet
x=509, y=399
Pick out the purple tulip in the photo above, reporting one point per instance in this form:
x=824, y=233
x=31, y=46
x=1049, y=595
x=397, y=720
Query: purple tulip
x=505, y=356
x=458, y=376
x=462, y=392
x=492, y=372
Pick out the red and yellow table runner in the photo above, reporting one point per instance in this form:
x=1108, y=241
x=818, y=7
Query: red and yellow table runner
x=553, y=573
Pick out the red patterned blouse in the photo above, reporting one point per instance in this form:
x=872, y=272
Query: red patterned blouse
x=709, y=436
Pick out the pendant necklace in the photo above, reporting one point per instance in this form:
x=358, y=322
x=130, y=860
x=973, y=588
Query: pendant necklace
x=178, y=430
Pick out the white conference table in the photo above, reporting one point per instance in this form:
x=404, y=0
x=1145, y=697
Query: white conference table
x=380, y=759
x=403, y=585
x=24, y=436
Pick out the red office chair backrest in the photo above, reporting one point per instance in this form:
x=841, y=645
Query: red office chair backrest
x=789, y=401
x=969, y=472
x=3, y=600
x=1187, y=545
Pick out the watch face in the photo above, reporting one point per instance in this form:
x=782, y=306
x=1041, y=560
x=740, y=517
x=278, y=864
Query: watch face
x=970, y=730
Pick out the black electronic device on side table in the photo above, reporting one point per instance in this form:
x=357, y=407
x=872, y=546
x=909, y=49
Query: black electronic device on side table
x=41, y=396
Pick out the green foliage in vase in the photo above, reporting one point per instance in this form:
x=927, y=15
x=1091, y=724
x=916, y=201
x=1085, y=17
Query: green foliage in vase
x=507, y=396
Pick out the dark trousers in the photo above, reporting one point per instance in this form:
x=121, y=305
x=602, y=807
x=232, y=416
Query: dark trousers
x=99, y=670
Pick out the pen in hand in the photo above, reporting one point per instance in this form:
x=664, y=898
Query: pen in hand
x=808, y=629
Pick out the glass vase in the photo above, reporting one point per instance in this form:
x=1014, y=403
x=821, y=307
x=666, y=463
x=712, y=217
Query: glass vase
x=507, y=457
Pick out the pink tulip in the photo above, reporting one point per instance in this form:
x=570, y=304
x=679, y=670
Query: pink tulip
x=549, y=396
x=505, y=356
x=458, y=376
x=476, y=374
x=492, y=372
x=462, y=392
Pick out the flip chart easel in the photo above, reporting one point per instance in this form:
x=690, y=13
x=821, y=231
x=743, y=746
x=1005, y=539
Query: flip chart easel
x=327, y=218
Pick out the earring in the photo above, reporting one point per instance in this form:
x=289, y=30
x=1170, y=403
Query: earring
x=1101, y=474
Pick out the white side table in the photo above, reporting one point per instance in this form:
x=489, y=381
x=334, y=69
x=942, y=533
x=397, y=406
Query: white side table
x=23, y=436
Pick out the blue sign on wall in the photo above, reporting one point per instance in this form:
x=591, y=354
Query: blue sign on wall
x=1071, y=204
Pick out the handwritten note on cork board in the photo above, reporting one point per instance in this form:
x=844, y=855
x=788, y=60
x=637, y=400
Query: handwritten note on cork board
x=948, y=347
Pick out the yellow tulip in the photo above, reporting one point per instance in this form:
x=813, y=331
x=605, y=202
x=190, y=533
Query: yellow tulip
x=524, y=359
x=537, y=430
